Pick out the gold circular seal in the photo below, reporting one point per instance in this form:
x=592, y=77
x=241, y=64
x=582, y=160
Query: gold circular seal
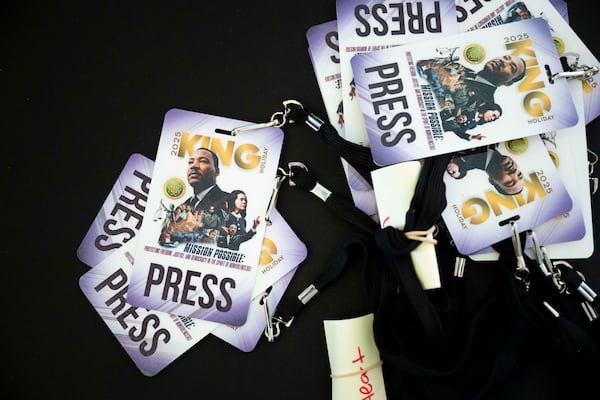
x=174, y=188
x=554, y=158
x=517, y=146
x=474, y=53
x=559, y=44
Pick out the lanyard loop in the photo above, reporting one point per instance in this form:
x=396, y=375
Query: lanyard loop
x=351, y=249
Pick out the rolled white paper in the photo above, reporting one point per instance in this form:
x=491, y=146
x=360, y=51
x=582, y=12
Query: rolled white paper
x=394, y=189
x=354, y=359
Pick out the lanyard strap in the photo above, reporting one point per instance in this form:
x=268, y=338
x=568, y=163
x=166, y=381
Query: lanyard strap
x=405, y=314
x=355, y=247
x=434, y=350
x=358, y=156
x=394, y=244
x=418, y=339
x=352, y=249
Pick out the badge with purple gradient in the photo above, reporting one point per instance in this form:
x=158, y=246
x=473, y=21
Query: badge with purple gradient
x=567, y=42
x=120, y=217
x=282, y=254
x=152, y=339
x=463, y=91
x=201, y=259
x=488, y=187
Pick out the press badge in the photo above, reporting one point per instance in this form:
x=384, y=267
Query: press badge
x=282, y=252
x=570, y=235
x=281, y=255
x=488, y=187
x=324, y=54
x=120, y=217
x=437, y=96
x=184, y=264
x=365, y=26
x=152, y=339
x=567, y=42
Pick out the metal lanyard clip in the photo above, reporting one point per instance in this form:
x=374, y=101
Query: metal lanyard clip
x=576, y=280
x=272, y=326
x=540, y=254
x=300, y=176
x=584, y=73
x=521, y=272
x=278, y=118
x=545, y=264
x=573, y=70
x=282, y=176
x=272, y=329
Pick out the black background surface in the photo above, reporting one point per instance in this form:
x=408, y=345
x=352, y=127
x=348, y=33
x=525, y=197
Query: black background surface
x=85, y=85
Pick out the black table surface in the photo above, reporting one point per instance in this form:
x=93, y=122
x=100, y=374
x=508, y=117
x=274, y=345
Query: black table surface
x=85, y=85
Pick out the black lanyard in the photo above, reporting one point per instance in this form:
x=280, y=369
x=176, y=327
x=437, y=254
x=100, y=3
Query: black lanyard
x=444, y=343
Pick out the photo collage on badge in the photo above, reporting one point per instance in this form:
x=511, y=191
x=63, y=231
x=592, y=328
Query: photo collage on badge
x=466, y=97
x=219, y=225
x=211, y=216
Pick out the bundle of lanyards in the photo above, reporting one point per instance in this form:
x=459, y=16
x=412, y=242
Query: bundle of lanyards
x=492, y=327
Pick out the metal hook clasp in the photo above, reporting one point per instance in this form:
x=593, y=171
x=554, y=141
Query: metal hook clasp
x=573, y=70
x=269, y=326
x=521, y=272
x=539, y=254
x=282, y=175
x=582, y=288
x=545, y=264
x=318, y=190
x=276, y=322
x=251, y=127
x=274, y=194
x=273, y=328
x=288, y=109
x=584, y=73
x=591, y=165
x=278, y=119
x=290, y=173
x=556, y=278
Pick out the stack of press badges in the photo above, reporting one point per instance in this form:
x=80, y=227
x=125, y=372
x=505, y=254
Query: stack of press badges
x=164, y=271
x=504, y=86
x=190, y=244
